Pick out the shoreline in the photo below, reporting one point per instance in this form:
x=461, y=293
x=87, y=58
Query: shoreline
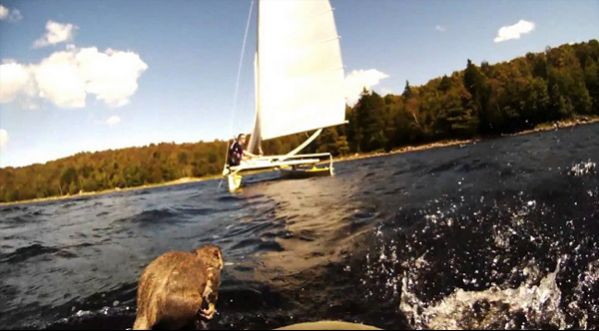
x=180, y=181
x=582, y=120
x=543, y=127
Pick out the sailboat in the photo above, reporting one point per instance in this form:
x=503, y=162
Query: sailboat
x=298, y=85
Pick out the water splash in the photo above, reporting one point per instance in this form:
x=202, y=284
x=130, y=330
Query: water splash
x=583, y=168
x=585, y=300
x=531, y=305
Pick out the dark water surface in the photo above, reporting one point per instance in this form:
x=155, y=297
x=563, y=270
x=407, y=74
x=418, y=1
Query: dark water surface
x=498, y=234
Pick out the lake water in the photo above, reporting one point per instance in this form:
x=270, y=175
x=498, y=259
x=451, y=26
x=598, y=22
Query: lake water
x=502, y=233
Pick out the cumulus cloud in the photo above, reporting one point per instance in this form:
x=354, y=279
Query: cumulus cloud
x=357, y=80
x=67, y=77
x=112, y=75
x=440, y=28
x=11, y=15
x=113, y=120
x=14, y=79
x=4, y=12
x=514, y=31
x=56, y=33
x=3, y=138
x=59, y=80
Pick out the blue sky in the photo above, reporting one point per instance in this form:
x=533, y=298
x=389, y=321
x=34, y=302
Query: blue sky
x=166, y=70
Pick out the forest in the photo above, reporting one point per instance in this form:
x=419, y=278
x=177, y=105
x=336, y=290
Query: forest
x=481, y=100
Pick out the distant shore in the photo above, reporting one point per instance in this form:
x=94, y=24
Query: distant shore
x=549, y=126
x=176, y=182
x=581, y=120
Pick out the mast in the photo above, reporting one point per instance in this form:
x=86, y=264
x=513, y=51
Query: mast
x=255, y=143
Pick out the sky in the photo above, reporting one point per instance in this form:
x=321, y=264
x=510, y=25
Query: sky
x=103, y=74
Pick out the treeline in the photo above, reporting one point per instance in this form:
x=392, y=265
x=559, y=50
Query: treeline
x=507, y=97
x=128, y=167
x=557, y=84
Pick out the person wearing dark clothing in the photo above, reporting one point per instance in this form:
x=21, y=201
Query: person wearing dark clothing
x=236, y=151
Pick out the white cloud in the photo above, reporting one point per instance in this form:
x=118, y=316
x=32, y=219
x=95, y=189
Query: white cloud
x=111, y=76
x=14, y=79
x=11, y=15
x=65, y=78
x=113, y=120
x=4, y=12
x=514, y=31
x=440, y=28
x=3, y=138
x=357, y=80
x=56, y=33
x=59, y=80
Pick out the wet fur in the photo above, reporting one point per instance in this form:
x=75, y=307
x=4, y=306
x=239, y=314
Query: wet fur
x=178, y=288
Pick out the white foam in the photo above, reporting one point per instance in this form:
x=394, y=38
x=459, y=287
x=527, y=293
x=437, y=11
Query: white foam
x=583, y=168
x=489, y=308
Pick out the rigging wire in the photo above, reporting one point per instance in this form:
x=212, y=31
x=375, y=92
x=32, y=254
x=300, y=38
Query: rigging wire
x=230, y=133
x=239, y=67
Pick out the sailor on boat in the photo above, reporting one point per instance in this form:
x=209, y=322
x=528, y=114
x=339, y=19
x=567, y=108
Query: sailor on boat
x=237, y=151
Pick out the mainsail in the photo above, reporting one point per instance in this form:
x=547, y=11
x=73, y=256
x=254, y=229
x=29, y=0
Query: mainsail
x=299, y=71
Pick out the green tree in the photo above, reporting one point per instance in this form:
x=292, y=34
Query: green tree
x=68, y=180
x=370, y=115
x=479, y=89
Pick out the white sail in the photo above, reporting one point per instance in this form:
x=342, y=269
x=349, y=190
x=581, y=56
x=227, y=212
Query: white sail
x=299, y=69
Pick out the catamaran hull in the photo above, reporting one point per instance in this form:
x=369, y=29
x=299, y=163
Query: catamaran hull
x=234, y=182
x=289, y=166
x=307, y=173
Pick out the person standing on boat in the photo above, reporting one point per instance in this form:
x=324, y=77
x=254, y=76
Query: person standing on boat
x=237, y=152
